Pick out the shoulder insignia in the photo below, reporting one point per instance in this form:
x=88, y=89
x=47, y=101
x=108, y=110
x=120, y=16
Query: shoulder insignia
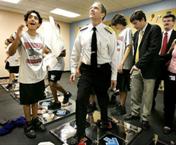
x=109, y=29
x=83, y=28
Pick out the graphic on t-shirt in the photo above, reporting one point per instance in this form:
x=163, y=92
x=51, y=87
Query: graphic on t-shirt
x=33, y=51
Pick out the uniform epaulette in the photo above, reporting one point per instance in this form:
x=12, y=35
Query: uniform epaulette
x=84, y=28
x=109, y=29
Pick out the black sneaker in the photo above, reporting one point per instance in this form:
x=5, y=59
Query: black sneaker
x=38, y=125
x=9, y=86
x=54, y=106
x=66, y=97
x=29, y=131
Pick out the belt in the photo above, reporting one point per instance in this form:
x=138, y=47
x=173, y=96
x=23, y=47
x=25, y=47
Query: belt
x=98, y=65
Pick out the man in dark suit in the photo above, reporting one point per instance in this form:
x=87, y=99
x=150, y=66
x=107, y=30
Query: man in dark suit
x=169, y=34
x=147, y=43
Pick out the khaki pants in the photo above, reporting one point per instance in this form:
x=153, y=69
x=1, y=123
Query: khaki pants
x=141, y=94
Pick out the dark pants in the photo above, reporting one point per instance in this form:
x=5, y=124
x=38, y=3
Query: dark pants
x=161, y=76
x=169, y=99
x=98, y=80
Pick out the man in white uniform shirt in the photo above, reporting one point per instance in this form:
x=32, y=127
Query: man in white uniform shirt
x=95, y=48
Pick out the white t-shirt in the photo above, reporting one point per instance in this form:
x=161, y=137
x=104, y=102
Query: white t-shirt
x=14, y=59
x=123, y=40
x=58, y=66
x=31, y=59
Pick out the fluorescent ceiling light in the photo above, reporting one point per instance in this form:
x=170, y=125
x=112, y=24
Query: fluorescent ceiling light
x=64, y=13
x=11, y=1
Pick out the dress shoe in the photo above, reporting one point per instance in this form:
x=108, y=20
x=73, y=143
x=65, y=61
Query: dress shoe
x=167, y=130
x=130, y=117
x=145, y=125
x=104, y=125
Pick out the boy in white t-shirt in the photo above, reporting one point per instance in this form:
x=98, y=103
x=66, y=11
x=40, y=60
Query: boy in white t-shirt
x=54, y=75
x=125, y=59
x=30, y=46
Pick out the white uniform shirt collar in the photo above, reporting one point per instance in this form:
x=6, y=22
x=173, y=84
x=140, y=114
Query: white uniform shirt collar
x=98, y=27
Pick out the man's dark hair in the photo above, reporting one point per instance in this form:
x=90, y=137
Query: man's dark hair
x=169, y=15
x=138, y=15
x=118, y=19
x=32, y=11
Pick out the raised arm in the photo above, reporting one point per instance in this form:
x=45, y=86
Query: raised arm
x=16, y=42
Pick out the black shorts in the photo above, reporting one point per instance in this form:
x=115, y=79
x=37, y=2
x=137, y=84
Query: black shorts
x=54, y=76
x=123, y=81
x=31, y=93
x=14, y=69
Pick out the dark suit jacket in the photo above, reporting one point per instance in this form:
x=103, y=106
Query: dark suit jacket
x=148, y=51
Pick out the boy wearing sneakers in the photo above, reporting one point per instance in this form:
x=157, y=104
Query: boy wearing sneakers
x=54, y=75
x=30, y=46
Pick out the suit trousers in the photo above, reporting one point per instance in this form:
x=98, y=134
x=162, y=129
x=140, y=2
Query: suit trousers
x=141, y=94
x=169, y=99
x=92, y=79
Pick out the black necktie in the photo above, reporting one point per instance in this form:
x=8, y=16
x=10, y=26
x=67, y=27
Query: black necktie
x=94, y=49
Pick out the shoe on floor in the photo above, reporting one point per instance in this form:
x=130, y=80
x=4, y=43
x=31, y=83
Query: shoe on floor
x=54, y=106
x=38, y=125
x=167, y=130
x=66, y=98
x=29, y=130
x=9, y=86
x=104, y=125
x=85, y=141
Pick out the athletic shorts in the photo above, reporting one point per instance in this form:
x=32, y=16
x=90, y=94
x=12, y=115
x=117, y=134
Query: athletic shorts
x=123, y=81
x=31, y=93
x=14, y=69
x=54, y=76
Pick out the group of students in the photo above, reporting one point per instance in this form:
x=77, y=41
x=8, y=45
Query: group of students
x=104, y=61
x=134, y=62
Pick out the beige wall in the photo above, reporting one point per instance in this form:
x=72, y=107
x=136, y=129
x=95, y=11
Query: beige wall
x=9, y=24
